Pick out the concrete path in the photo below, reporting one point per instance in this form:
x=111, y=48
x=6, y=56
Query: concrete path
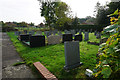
x=10, y=57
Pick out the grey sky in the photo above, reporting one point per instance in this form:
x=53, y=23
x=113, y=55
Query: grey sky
x=28, y=10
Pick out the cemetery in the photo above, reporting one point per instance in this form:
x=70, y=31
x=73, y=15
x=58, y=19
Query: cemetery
x=67, y=47
x=56, y=50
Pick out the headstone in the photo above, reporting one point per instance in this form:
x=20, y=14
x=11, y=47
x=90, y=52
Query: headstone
x=80, y=32
x=54, y=39
x=37, y=41
x=86, y=36
x=66, y=37
x=98, y=35
x=78, y=37
x=95, y=33
x=39, y=32
x=72, y=55
x=24, y=37
x=73, y=32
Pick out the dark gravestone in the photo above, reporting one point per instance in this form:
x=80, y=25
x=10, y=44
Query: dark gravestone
x=24, y=37
x=66, y=37
x=37, y=41
x=72, y=55
x=78, y=37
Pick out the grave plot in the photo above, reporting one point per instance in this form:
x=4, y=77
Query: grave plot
x=36, y=41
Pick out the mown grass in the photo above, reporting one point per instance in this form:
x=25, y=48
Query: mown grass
x=52, y=57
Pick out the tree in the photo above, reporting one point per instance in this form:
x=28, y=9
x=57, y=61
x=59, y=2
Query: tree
x=55, y=13
x=101, y=15
x=75, y=23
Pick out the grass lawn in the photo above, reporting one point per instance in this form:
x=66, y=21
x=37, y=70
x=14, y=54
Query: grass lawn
x=52, y=56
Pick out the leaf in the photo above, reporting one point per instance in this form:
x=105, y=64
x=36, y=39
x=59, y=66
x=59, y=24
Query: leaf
x=106, y=71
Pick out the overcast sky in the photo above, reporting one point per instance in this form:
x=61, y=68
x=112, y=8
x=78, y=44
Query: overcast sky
x=28, y=10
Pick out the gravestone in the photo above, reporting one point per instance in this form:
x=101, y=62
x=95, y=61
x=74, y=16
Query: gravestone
x=86, y=36
x=37, y=41
x=66, y=37
x=98, y=35
x=39, y=32
x=72, y=55
x=24, y=37
x=54, y=39
x=95, y=33
x=73, y=32
x=80, y=32
x=78, y=37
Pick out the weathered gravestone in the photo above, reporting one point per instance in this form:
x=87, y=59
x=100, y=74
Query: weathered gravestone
x=39, y=32
x=66, y=37
x=78, y=37
x=72, y=55
x=37, y=41
x=24, y=37
x=54, y=39
x=72, y=32
x=98, y=35
x=95, y=33
x=86, y=36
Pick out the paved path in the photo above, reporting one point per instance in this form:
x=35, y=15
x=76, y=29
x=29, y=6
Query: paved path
x=10, y=57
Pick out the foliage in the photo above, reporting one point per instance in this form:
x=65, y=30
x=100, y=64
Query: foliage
x=109, y=60
x=101, y=15
x=8, y=26
x=75, y=23
x=55, y=13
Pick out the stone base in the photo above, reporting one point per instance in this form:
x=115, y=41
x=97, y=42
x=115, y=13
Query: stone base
x=73, y=66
